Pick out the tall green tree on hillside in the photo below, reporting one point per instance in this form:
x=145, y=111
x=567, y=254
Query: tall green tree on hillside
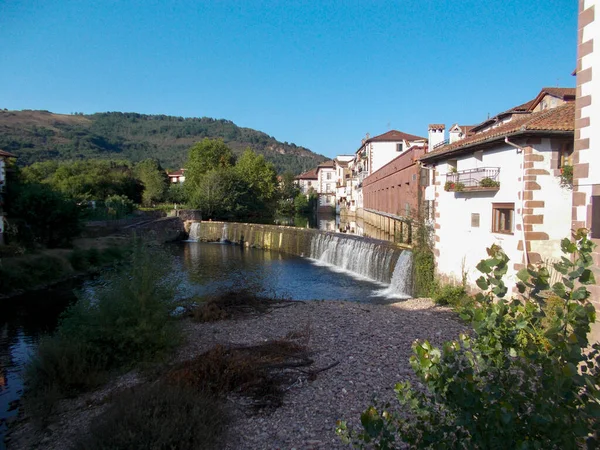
x=153, y=179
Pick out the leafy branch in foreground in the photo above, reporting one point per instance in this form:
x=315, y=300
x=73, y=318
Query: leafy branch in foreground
x=525, y=378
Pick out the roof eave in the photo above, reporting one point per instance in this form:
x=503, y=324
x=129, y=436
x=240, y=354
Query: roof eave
x=468, y=148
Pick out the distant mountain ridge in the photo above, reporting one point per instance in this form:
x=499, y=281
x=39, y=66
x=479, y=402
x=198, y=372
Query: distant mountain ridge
x=41, y=135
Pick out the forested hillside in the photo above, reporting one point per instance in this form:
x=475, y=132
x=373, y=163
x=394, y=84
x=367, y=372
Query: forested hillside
x=41, y=135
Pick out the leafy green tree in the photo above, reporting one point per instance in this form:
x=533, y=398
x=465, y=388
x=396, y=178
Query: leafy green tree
x=154, y=180
x=289, y=188
x=206, y=155
x=176, y=193
x=261, y=180
x=87, y=180
x=42, y=215
x=222, y=194
x=301, y=204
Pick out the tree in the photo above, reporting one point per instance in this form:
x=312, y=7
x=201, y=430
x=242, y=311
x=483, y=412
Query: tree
x=261, y=178
x=222, y=194
x=154, y=180
x=42, y=215
x=288, y=187
x=203, y=157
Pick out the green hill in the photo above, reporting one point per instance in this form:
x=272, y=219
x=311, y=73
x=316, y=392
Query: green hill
x=41, y=135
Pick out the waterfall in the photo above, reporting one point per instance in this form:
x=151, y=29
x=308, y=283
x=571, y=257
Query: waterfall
x=224, y=234
x=194, y=232
x=366, y=258
x=401, y=284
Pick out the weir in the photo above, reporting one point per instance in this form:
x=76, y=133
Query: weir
x=377, y=260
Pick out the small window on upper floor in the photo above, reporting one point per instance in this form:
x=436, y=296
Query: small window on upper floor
x=400, y=147
x=329, y=175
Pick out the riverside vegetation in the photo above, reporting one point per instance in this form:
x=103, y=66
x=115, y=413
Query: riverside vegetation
x=524, y=378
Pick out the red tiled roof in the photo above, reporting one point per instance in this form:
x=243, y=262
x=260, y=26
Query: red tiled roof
x=560, y=119
x=7, y=155
x=177, y=173
x=308, y=175
x=394, y=135
x=326, y=165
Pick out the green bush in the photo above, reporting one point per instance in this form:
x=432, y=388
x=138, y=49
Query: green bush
x=523, y=379
x=488, y=182
x=126, y=321
x=450, y=295
x=157, y=417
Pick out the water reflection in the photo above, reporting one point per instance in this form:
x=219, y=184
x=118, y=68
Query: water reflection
x=23, y=321
x=212, y=267
x=338, y=224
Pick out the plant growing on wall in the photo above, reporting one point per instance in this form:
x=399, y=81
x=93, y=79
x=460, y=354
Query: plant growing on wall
x=488, y=182
x=454, y=186
x=566, y=176
x=524, y=378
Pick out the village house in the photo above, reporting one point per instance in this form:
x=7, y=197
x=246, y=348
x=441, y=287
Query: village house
x=307, y=181
x=4, y=156
x=505, y=181
x=176, y=177
x=586, y=155
x=326, y=186
x=344, y=184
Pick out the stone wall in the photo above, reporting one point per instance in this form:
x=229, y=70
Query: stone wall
x=292, y=240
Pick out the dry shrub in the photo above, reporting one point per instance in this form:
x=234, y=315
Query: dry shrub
x=259, y=372
x=232, y=304
x=158, y=416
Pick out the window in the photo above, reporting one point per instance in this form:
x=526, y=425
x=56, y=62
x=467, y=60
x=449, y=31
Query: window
x=565, y=155
x=309, y=183
x=329, y=175
x=503, y=217
x=400, y=147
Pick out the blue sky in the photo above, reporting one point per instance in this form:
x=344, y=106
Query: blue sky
x=319, y=74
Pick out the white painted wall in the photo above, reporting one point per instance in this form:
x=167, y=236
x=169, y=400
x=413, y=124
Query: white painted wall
x=461, y=246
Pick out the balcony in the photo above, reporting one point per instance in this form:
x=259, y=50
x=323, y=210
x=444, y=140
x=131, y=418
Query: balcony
x=480, y=179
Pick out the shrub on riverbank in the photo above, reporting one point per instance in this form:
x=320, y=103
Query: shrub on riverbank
x=158, y=416
x=125, y=321
x=27, y=272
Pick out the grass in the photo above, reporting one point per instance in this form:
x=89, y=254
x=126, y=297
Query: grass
x=156, y=417
x=126, y=323
x=26, y=272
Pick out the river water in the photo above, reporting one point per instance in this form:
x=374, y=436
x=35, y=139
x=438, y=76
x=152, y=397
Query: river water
x=203, y=268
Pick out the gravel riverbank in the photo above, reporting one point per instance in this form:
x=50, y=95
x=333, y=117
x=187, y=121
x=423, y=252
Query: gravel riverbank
x=371, y=345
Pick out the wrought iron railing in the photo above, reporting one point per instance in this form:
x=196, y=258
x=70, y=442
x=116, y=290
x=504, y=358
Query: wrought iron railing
x=484, y=177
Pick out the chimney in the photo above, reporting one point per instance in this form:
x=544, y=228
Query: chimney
x=436, y=134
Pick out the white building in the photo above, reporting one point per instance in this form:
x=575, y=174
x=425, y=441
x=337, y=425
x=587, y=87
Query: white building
x=177, y=177
x=326, y=183
x=344, y=182
x=501, y=184
x=307, y=181
x=3, y=157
